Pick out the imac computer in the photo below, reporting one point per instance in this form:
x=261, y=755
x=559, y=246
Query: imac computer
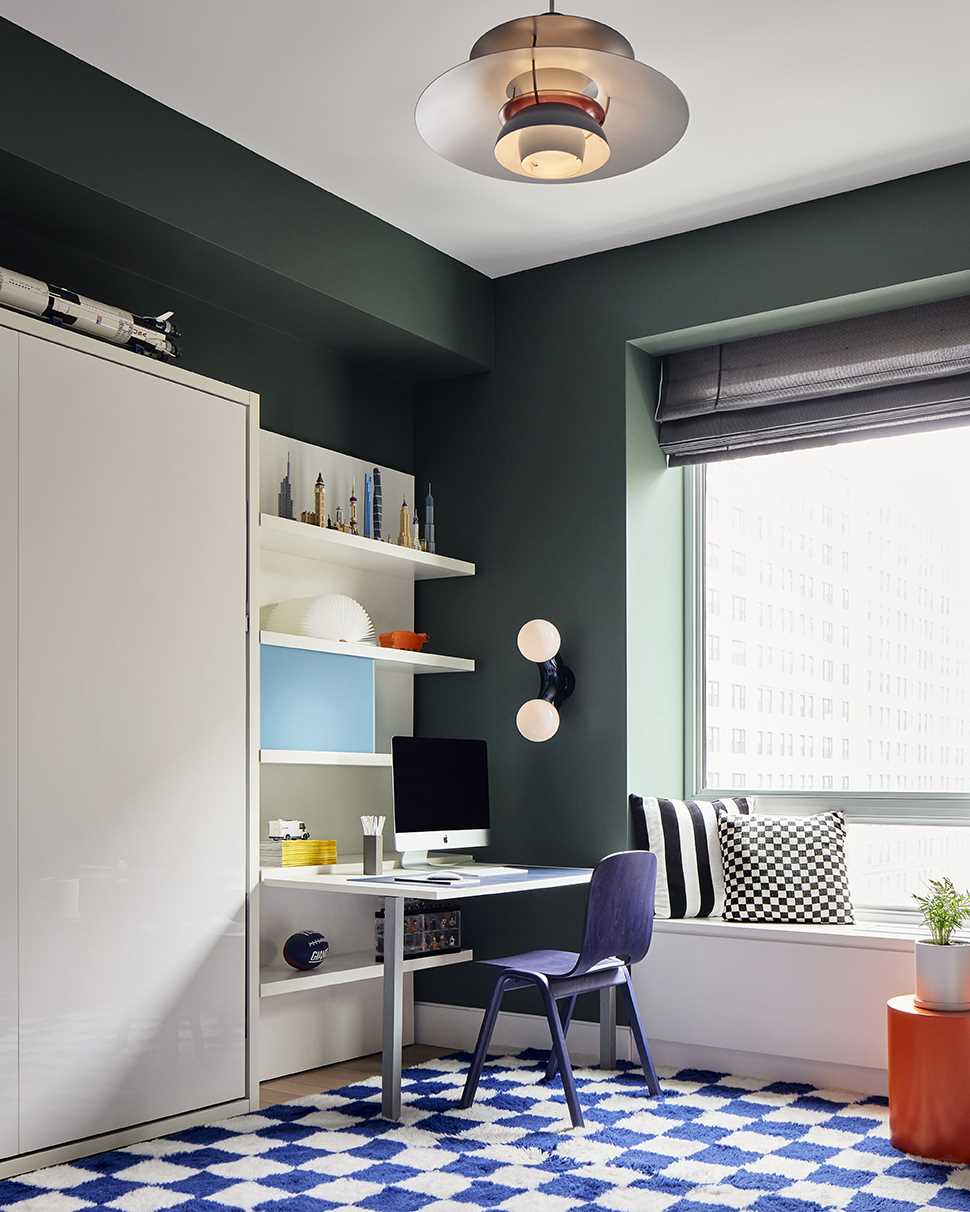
x=440, y=796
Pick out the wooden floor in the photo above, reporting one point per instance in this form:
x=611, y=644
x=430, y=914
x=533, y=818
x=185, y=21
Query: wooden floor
x=313, y=1081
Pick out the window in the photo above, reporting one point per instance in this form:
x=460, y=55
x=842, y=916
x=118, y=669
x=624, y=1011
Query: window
x=862, y=610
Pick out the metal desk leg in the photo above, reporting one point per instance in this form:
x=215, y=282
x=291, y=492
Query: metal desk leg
x=393, y=1007
x=608, y=1028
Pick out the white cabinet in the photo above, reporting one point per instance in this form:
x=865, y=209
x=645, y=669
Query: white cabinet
x=8, y=744
x=133, y=746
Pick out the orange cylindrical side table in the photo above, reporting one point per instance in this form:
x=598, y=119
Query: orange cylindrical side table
x=929, y=1081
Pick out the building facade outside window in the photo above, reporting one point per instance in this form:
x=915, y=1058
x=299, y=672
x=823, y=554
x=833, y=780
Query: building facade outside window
x=849, y=592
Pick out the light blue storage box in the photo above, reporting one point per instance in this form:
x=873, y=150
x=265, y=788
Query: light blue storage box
x=316, y=700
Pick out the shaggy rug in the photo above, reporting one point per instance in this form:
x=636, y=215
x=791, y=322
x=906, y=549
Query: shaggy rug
x=710, y=1142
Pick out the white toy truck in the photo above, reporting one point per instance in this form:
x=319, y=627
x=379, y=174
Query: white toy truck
x=286, y=831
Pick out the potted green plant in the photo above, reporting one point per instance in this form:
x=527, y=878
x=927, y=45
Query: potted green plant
x=943, y=962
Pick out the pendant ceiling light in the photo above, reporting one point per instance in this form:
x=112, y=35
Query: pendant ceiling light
x=552, y=98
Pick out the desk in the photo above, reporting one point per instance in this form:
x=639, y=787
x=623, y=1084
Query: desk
x=394, y=894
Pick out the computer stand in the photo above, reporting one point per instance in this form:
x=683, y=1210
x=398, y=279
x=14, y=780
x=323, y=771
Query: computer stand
x=415, y=858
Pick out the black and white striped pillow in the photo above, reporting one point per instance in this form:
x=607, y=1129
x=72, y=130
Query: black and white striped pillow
x=683, y=835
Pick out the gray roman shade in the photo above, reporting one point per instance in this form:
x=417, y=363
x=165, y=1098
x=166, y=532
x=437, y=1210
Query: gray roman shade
x=814, y=386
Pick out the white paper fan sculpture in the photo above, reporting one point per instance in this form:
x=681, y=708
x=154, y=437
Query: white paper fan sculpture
x=332, y=616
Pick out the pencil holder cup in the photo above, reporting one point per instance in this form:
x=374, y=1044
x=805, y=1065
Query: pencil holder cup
x=373, y=854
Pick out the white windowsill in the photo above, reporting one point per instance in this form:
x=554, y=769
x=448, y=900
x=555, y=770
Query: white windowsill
x=870, y=936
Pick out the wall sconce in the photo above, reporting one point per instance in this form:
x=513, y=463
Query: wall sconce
x=538, y=719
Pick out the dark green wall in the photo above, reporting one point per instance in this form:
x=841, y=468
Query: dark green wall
x=307, y=390
x=539, y=451
x=272, y=240
x=329, y=313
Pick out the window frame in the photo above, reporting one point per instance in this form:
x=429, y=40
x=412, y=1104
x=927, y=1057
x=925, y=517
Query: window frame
x=910, y=807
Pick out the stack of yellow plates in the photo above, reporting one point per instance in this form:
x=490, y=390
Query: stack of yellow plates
x=314, y=852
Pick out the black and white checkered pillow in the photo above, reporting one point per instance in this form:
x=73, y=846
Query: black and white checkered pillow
x=683, y=836
x=785, y=869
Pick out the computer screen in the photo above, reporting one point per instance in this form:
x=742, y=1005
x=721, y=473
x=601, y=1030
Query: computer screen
x=440, y=786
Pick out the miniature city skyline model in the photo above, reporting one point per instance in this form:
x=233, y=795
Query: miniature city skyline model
x=371, y=526
x=429, y=521
x=284, y=499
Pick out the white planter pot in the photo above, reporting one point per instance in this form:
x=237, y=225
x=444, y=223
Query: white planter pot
x=943, y=976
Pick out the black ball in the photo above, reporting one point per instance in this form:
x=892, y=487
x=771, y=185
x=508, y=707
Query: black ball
x=305, y=950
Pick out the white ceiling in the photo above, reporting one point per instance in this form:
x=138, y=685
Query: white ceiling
x=790, y=99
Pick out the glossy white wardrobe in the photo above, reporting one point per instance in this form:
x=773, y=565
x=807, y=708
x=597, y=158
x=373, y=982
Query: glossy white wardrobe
x=126, y=752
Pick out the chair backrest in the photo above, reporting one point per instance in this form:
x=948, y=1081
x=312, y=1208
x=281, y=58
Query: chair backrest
x=619, y=909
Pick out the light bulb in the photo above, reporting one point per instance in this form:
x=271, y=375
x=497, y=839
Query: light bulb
x=537, y=720
x=552, y=152
x=552, y=141
x=538, y=640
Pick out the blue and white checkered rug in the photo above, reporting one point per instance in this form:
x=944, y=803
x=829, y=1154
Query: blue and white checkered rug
x=711, y=1142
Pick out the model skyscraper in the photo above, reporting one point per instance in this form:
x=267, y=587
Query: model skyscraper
x=429, y=521
x=378, y=505
x=317, y=516
x=284, y=499
x=404, y=535
x=354, y=525
x=368, y=506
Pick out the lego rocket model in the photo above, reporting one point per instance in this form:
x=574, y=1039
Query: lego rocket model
x=151, y=335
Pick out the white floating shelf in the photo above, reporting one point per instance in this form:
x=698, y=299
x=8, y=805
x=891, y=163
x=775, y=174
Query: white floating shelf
x=344, y=969
x=397, y=659
x=335, y=547
x=318, y=757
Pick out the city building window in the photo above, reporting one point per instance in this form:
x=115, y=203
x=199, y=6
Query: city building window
x=888, y=521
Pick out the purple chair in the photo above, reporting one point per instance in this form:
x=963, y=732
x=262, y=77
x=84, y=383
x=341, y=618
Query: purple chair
x=619, y=924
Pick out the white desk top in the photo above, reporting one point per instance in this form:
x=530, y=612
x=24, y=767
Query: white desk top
x=530, y=880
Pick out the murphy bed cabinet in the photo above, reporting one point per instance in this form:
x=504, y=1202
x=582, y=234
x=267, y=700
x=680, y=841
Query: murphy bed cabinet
x=127, y=749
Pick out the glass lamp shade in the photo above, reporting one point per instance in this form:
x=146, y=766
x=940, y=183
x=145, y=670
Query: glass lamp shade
x=551, y=142
x=538, y=640
x=537, y=720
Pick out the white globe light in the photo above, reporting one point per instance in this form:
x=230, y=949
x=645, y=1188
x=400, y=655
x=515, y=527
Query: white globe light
x=538, y=640
x=537, y=720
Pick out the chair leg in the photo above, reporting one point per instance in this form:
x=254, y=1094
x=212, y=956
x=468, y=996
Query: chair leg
x=481, y=1048
x=562, y=1056
x=566, y=1017
x=639, y=1036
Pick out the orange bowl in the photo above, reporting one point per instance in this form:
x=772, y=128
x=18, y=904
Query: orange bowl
x=411, y=641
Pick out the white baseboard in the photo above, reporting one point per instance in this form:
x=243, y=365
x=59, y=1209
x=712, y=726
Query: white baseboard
x=24, y=1163
x=443, y=1026
x=823, y=1074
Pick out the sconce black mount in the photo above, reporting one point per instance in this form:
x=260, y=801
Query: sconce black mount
x=556, y=680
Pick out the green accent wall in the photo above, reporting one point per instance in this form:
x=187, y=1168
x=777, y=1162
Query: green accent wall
x=327, y=257
x=571, y=515
x=332, y=315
